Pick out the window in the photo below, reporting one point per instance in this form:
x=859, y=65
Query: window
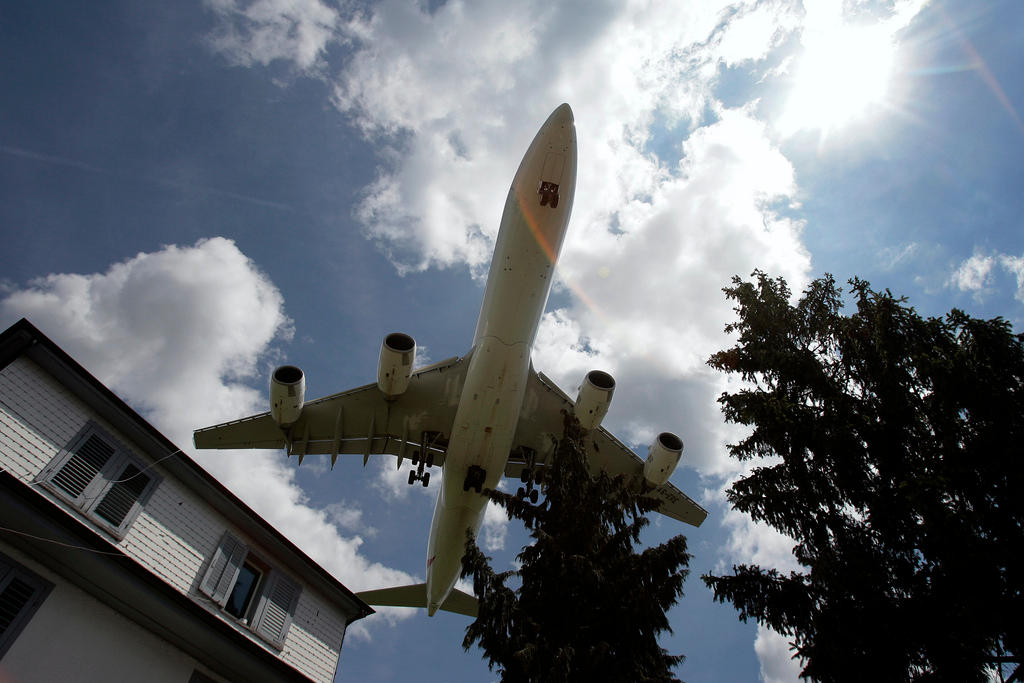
x=261, y=598
x=101, y=479
x=21, y=594
x=240, y=599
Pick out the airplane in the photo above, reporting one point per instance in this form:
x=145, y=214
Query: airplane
x=479, y=417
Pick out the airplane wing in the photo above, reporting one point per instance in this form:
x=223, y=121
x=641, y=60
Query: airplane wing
x=541, y=425
x=360, y=421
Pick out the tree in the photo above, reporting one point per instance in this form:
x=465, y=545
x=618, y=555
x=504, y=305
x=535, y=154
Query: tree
x=890, y=451
x=588, y=606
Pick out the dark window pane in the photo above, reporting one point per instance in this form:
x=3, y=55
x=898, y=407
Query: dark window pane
x=241, y=594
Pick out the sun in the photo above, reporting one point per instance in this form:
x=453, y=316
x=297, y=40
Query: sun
x=841, y=76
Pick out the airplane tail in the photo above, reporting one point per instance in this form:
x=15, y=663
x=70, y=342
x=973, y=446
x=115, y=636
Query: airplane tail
x=416, y=596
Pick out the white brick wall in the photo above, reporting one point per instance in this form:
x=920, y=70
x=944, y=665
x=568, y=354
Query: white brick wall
x=177, y=532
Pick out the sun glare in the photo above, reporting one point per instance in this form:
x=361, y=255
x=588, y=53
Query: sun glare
x=841, y=75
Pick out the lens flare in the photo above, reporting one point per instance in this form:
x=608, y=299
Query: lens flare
x=842, y=73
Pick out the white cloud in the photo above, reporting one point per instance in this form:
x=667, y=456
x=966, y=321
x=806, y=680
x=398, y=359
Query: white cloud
x=423, y=358
x=175, y=332
x=495, y=528
x=757, y=543
x=263, y=31
x=754, y=32
x=461, y=92
x=776, y=658
x=974, y=274
x=1015, y=266
x=182, y=322
x=891, y=257
x=457, y=94
x=349, y=518
x=977, y=273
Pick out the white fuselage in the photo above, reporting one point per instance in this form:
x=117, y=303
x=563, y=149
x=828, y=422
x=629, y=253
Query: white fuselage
x=518, y=284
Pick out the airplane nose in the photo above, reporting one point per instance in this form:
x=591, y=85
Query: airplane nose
x=564, y=113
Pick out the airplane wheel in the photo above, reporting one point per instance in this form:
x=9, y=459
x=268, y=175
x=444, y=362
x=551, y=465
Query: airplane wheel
x=524, y=475
x=426, y=478
x=415, y=458
x=521, y=493
x=430, y=459
x=412, y=478
x=533, y=496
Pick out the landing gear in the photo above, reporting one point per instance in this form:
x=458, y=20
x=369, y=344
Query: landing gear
x=428, y=442
x=475, y=477
x=530, y=476
x=418, y=476
x=548, y=194
x=532, y=494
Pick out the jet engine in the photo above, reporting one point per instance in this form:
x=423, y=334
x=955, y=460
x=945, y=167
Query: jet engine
x=594, y=398
x=397, y=354
x=662, y=458
x=287, y=394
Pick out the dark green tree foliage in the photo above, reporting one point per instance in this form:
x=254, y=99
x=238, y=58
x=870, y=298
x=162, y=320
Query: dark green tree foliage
x=588, y=606
x=895, y=462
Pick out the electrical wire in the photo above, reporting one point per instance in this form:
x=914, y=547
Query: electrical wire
x=60, y=543
x=147, y=467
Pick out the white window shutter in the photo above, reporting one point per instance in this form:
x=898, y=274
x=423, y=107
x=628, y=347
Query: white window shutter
x=82, y=466
x=280, y=600
x=122, y=496
x=223, y=571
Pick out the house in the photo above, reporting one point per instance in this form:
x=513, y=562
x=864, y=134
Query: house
x=121, y=559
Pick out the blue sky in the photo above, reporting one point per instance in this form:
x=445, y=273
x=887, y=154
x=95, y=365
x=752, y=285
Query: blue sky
x=193, y=193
